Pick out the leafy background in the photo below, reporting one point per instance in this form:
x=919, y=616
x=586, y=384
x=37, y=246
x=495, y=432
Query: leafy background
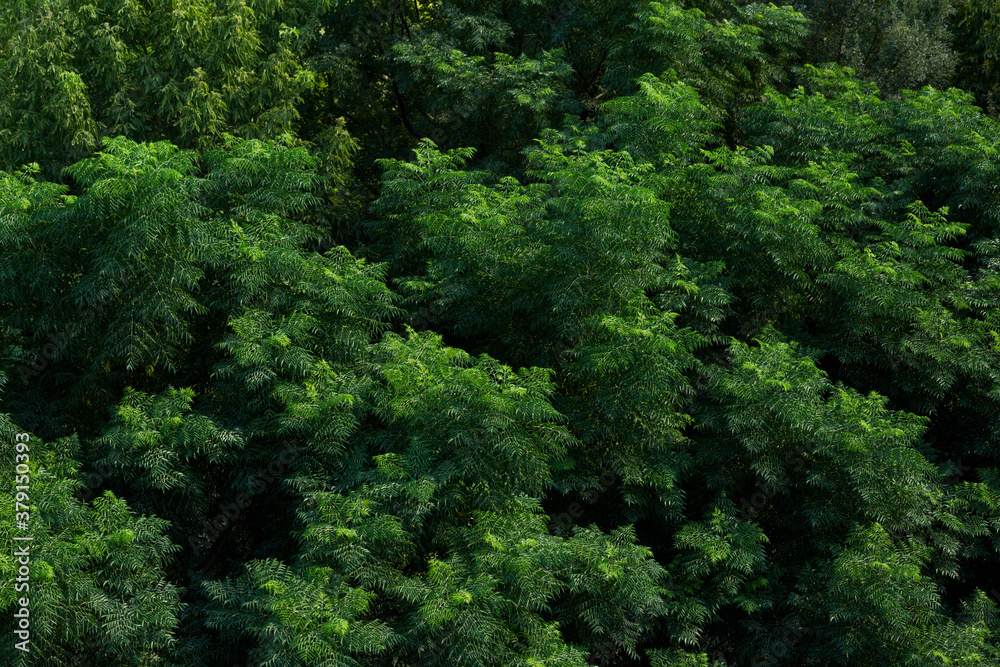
x=502, y=333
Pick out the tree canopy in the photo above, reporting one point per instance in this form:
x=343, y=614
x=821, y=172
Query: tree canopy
x=506, y=333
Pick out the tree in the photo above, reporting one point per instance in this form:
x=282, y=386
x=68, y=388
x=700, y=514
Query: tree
x=95, y=584
x=655, y=342
x=75, y=73
x=899, y=44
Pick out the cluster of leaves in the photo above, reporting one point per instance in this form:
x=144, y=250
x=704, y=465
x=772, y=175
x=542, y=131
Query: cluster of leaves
x=731, y=308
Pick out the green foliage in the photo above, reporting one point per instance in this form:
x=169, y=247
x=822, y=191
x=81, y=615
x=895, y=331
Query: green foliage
x=495, y=248
x=975, y=41
x=501, y=333
x=730, y=60
x=896, y=44
x=75, y=73
x=97, y=571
